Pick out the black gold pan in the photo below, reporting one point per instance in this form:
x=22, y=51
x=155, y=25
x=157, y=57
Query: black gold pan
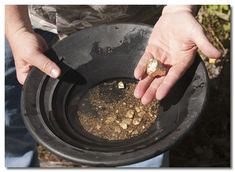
x=90, y=57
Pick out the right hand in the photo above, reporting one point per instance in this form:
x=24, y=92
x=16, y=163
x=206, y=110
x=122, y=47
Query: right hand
x=28, y=48
x=174, y=41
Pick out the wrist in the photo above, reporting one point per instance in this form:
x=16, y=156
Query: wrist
x=193, y=9
x=16, y=21
x=13, y=34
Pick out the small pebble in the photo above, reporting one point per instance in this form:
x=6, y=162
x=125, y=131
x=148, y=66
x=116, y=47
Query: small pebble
x=127, y=121
x=117, y=111
x=135, y=132
x=117, y=129
x=121, y=85
x=130, y=114
x=141, y=114
x=136, y=121
x=123, y=125
x=109, y=120
x=137, y=109
x=98, y=127
x=90, y=129
x=212, y=61
x=130, y=131
x=109, y=50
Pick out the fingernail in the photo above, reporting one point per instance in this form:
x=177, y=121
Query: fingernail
x=137, y=94
x=159, y=97
x=54, y=73
x=144, y=101
x=137, y=76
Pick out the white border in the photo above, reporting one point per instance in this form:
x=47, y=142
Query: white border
x=117, y=2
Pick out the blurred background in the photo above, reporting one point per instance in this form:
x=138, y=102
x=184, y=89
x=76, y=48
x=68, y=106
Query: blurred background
x=208, y=143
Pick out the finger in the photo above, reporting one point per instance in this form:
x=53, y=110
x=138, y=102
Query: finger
x=170, y=79
x=140, y=70
x=142, y=87
x=22, y=70
x=149, y=95
x=43, y=63
x=204, y=44
x=21, y=76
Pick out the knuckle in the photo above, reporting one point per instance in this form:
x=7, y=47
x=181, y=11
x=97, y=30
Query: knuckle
x=167, y=82
x=152, y=89
x=154, y=86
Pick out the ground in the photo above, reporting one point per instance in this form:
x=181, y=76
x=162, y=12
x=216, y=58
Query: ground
x=208, y=143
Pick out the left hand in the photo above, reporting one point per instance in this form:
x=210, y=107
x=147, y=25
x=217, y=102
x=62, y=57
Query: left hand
x=174, y=41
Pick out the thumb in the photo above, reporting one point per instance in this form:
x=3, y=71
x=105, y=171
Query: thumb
x=45, y=65
x=204, y=44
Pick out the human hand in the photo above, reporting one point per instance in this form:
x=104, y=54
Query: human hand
x=174, y=41
x=28, y=48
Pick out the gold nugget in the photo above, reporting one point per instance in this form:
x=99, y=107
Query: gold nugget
x=155, y=68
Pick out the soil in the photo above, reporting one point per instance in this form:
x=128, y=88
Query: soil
x=114, y=113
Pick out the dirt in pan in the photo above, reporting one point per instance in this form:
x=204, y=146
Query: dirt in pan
x=110, y=111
